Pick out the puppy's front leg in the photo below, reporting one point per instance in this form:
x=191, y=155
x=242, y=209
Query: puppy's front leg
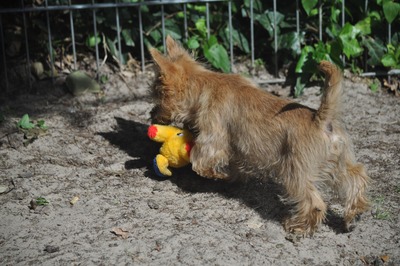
x=210, y=154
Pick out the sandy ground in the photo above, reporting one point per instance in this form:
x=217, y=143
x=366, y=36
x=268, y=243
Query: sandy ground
x=97, y=150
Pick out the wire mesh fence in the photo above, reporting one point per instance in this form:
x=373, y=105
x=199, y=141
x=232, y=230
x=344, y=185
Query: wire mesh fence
x=88, y=10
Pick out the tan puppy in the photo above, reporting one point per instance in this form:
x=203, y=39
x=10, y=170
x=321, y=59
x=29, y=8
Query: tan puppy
x=242, y=131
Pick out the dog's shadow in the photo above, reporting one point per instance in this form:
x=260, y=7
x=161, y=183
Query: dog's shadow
x=261, y=195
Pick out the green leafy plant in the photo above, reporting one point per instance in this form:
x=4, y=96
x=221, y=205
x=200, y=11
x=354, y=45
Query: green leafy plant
x=374, y=86
x=392, y=58
x=40, y=201
x=357, y=44
x=30, y=129
x=25, y=123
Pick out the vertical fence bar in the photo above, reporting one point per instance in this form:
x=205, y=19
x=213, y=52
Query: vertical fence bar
x=275, y=42
x=95, y=37
x=208, y=20
x=252, y=31
x=118, y=34
x=3, y=50
x=298, y=18
x=320, y=20
x=50, y=43
x=185, y=24
x=163, y=28
x=28, y=60
x=71, y=22
x=141, y=37
x=389, y=42
x=230, y=32
x=343, y=22
x=365, y=52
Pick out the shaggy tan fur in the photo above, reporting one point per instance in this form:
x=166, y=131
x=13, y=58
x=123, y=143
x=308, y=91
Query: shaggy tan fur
x=243, y=131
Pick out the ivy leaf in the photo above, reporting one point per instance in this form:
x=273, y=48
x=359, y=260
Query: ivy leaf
x=92, y=40
x=290, y=41
x=364, y=26
x=375, y=48
x=390, y=10
x=201, y=27
x=306, y=60
x=351, y=46
x=24, y=123
x=257, y=5
x=217, y=55
x=308, y=5
x=388, y=60
x=193, y=43
x=127, y=35
x=41, y=124
x=267, y=21
x=238, y=39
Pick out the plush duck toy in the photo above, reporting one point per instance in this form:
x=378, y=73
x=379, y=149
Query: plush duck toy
x=175, y=150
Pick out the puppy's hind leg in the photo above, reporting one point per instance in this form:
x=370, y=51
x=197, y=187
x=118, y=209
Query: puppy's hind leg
x=352, y=185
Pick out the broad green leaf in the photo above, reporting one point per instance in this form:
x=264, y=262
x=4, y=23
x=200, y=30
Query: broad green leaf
x=391, y=10
x=217, y=55
x=176, y=35
x=24, y=123
x=290, y=41
x=375, y=49
x=212, y=40
x=305, y=58
x=238, y=39
x=41, y=124
x=257, y=5
x=193, y=43
x=127, y=36
x=313, y=12
x=201, y=27
x=156, y=36
x=91, y=41
x=350, y=44
x=352, y=48
x=388, y=60
x=308, y=5
x=299, y=88
x=364, y=26
x=112, y=45
x=267, y=21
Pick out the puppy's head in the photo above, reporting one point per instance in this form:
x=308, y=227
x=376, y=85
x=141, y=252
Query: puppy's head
x=172, y=74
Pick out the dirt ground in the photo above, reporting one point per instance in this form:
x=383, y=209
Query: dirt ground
x=96, y=148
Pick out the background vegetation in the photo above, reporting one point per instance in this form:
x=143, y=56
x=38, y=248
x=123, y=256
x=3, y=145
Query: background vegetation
x=361, y=44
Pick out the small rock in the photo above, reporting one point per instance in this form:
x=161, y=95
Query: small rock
x=25, y=175
x=3, y=189
x=79, y=83
x=51, y=249
x=153, y=205
x=33, y=205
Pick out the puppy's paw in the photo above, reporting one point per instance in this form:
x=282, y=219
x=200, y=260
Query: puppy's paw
x=299, y=227
x=211, y=173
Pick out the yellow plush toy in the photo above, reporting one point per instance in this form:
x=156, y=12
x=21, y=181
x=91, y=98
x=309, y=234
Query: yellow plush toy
x=175, y=150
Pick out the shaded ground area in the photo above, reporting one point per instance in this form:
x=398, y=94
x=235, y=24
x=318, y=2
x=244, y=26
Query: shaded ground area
x=96, y=149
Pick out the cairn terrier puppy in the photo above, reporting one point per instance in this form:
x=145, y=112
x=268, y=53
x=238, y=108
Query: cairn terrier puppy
x=241, y=130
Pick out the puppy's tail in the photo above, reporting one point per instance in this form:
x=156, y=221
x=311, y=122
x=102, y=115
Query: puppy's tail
x=330, y=108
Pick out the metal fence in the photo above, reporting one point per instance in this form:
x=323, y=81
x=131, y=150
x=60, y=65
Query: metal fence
x=115, y=8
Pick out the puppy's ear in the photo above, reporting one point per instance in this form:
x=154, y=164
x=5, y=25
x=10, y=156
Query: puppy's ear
x=174, y=49
x=165, y=65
